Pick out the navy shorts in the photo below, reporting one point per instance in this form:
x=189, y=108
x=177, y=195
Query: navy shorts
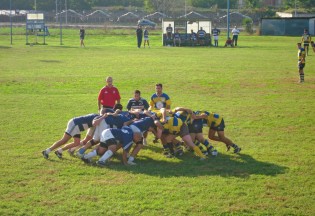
x=301, y=65
x=220, y=127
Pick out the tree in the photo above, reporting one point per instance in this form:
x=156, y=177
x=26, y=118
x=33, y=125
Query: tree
x=211, y=3
x=299, y=3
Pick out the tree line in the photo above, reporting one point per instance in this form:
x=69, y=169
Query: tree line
x=153, y=5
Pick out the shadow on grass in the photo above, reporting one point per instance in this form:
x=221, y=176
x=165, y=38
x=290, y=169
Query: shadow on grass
x=241, y=166
x=5, y=47
x=50, y=61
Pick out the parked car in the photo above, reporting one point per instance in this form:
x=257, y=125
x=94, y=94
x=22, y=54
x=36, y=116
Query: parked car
x=145, y=22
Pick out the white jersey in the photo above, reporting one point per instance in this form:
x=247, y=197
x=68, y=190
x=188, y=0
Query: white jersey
x=235, y=31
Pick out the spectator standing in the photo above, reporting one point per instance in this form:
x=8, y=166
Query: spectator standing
x=139, y=33
x=235, y=33
x=82, y=35
x=169, y=32
x=108, y=95
x=216, y=32
x=146, y=37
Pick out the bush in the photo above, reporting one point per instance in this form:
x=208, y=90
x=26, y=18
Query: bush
x=248, y=25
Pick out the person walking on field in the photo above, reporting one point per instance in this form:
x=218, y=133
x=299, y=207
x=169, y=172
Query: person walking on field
x=108, y=95
x=82, y=35
x=139, y=33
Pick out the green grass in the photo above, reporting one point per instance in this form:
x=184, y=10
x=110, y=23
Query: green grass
x=254, y=87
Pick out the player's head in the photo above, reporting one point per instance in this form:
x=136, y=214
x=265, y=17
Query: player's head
x=109, y=81
x=118, y=106
x=137, y=95
x=159, y=88
x=305, y=30
x=299, y=45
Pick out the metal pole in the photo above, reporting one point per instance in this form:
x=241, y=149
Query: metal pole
x=228, y=19
x=56, y=11
x=35, y=6
x=295, y=8
x=66, y=12
x=11, y=21
x=60, y=18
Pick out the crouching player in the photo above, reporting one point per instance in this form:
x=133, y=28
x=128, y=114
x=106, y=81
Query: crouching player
x=143, y=126
x=195, y=129
x=216, y=125
x=171, y=129
x=74, y=129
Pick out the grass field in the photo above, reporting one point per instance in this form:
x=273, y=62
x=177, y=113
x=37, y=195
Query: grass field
x=255, y=87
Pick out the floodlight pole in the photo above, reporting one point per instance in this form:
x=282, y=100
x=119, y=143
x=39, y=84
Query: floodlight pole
x=228, y=19
x=11, y=21
x=60, y=19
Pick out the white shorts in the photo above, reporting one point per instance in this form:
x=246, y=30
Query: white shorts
x=72, y=129
x=99, y=129
x=216, y=37
x=146, y=37
x=106, y=135
x=135, y=129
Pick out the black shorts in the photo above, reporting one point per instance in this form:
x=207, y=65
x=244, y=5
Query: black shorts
x=196, y=126
x=301, y=65
x=220, y=127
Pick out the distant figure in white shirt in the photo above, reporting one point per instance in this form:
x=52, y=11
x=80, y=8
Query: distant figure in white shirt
x=235, y=33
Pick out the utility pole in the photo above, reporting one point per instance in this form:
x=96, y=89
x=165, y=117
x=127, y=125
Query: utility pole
x=228, y=19
x=11, y=20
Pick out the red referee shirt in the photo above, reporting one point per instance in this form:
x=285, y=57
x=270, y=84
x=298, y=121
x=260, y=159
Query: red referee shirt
x=108, y=96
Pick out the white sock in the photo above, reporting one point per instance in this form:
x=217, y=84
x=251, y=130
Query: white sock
x=90, y=154
x=60, y=150
x=105, y=156
x=48, y=150
x=131, y=159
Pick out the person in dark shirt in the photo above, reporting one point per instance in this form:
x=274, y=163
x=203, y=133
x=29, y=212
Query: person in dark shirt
x=169, y=32
x=216, y=32
x=82, y=35
x=139, y=33
x=137, y=102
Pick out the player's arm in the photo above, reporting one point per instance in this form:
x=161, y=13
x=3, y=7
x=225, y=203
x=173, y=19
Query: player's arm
x=159, y=129
x=97, y=120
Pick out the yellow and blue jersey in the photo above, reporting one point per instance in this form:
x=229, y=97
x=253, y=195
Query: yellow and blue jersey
x=183, y=115
x=158, y=102
x=173, y=126
x=306, y=38
x=214, y=119
x=301, y=55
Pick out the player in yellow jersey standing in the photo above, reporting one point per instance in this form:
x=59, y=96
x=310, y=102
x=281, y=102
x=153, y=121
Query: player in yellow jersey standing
x=301, y=61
